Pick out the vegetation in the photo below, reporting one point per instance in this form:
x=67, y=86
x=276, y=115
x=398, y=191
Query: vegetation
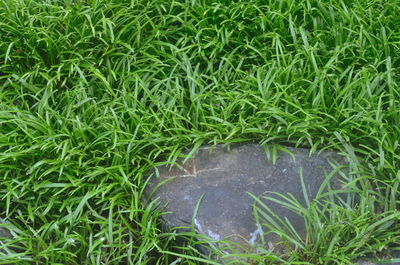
x=94, y=93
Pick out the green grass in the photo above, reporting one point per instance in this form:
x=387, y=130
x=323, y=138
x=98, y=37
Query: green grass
x=95, y=93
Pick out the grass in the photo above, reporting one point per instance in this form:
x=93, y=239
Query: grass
x=93, y=93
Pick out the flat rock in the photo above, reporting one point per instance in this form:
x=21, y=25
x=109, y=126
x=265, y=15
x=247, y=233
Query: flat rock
x=224, y=179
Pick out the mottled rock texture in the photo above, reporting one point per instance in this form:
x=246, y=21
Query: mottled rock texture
x=224, y=178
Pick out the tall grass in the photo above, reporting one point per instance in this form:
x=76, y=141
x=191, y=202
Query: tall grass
x=93, y=93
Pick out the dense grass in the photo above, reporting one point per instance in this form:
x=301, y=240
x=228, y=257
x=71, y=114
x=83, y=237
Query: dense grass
x=94, y=93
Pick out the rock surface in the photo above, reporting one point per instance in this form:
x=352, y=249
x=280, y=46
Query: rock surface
x=225, y=178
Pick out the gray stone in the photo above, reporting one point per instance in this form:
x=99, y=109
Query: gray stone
x=224, y=179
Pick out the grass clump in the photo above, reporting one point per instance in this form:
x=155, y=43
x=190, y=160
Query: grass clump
x=93, y=93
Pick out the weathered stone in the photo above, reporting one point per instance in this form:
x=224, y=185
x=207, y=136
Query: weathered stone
x=225, y=178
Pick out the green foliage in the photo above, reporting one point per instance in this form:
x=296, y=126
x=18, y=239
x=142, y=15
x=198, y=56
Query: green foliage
x=94, y=92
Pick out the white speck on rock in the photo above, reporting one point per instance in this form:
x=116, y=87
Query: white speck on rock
x=198, y=225
x=253, y=236
x=213, y=235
